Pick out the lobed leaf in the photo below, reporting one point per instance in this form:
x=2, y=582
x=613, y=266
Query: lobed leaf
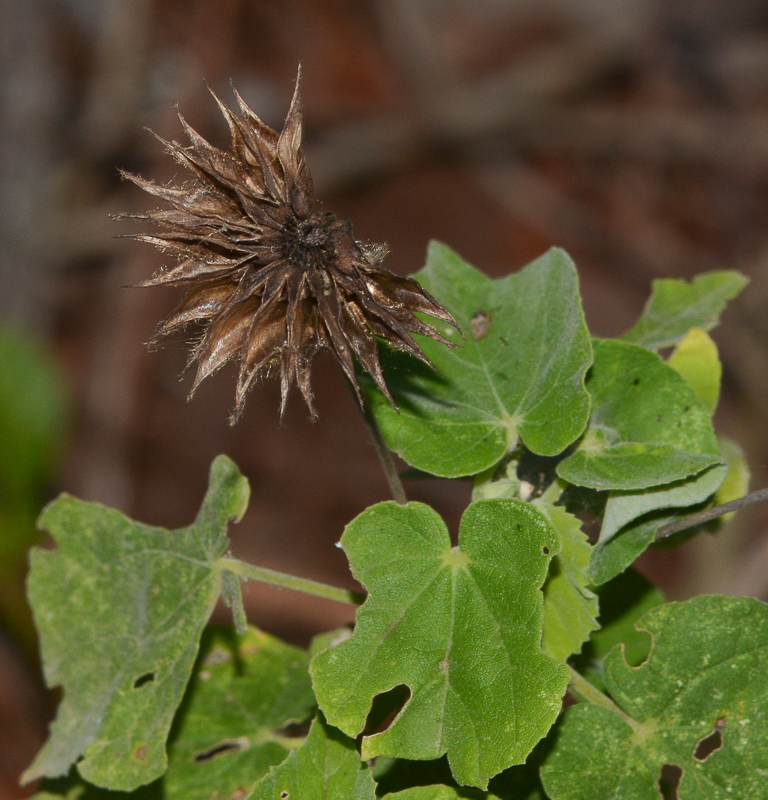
x=519, y=374
x=704, y=682
x=326, y=766
x=460, y=627
x=120, y=608
x=647, y=428
x=676, y=306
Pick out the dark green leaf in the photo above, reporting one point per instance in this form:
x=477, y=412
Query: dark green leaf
x=518, y=374
x=676, y=306
x=647, y=427
x=120, y=608
x=706, y=676
x=461, y=627
x=326, y=766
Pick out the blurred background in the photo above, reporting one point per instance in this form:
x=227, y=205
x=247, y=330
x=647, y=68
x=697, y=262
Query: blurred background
x=634, y=133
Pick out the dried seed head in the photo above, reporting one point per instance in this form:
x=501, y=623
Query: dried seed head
x=271, y=280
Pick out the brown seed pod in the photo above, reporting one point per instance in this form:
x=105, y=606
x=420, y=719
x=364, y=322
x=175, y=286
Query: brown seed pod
x=271, y=280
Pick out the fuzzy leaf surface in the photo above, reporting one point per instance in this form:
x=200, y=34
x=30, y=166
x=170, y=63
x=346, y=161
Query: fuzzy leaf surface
x=326, y=766
x=570, y=606
x=460, y=627
x=707, y=670
x=647, y=426
x=675, y=306
x=120, y=608
x=518, y=374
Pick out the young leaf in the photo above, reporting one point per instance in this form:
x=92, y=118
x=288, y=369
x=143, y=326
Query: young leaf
x=697, y=360
x=570, y=607
x=120, y=608
x=647, y=427
x=460, y=627
x=676, y=306
x=518, y=374
x=699, y=702
x=326, y=766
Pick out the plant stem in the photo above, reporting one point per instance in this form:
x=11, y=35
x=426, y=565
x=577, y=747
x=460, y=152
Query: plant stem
x=383, y=452
x=708, y=514
x=592, y=694
x=252, y=572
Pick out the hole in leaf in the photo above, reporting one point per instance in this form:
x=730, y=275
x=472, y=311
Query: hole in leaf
x=284, y=795
x=227, y=746
x=545, y=550
x=709, y=744
x=669, y=781
x=385, y=707
x=296, y=729
x=147, y=677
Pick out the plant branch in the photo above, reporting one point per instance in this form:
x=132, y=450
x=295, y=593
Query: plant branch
x=254, y=573
x=580, y=685
x=700, y=517
x=383, y=452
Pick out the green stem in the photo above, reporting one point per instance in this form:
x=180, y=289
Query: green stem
x=251, y=572
x=383, y=452
x=592, y=694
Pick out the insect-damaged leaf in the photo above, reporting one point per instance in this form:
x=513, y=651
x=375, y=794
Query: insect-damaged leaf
x=518, y=374
x=460, y=627
x=120, y=608
x=326, y=766
x=699, y=702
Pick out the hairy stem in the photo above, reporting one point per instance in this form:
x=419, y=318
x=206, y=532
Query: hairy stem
x=254, y=573
x=580, y=685
x=700, y=517
x=384, y=454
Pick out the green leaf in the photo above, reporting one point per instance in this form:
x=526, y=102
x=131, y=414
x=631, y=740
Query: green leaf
x=570, y=607
x=706, y=676
x=736, y=482
x=697, y=360
x=120, y=608
x=229, y=729
x=623, y=600
x=439, y=793
x=676, y=306
x=245, y=691
x=519, y=373
x=632, y=519
x=326, y=766
x=647, y=427
x=460, y=627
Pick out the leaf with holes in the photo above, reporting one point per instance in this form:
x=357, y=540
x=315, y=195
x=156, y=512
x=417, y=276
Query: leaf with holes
x=676, y=306
x=519, y=374
x=120, y=608
x=647, y=426
x=570, y=607
x=700, y=703
x=326, y=766
x=460, y=627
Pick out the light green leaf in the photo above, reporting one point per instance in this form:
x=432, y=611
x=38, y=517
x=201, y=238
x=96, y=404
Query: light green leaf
x=439, y=793
x=570, y=607
x=518, y=374
x=676, y=306
x=697, y=360
x=637, y=399
x=706, y=676
x=736, y=482
x=120, y=608
x=461, y=627
x=326, y=766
